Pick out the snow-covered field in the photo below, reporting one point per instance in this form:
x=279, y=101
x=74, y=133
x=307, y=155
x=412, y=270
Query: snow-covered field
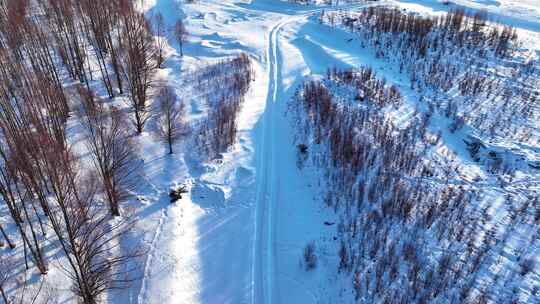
x=239, y=234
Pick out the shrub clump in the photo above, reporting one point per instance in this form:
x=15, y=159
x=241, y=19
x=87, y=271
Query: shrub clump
x=310, y=259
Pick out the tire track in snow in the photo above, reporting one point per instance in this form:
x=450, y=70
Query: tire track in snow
x=263, y=269
x=143, y=292
x=262, y=274
x=143, y=297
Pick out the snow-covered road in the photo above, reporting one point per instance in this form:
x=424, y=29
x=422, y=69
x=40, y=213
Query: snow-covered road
x=220, y=244
x=239, y=236
x=223, y=243
x=263, y=249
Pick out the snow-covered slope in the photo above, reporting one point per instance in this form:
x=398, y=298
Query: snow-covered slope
x=288, y=212
x=241, y=233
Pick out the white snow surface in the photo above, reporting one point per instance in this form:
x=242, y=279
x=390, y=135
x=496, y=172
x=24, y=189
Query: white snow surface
x=239, y=235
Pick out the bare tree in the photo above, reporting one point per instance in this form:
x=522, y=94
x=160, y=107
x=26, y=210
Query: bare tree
x=180, y=34
x=4, y=274
x=111, y=12
x=64, y=26
x=111, y=148
x=139, y=60
x=96, y=28
x=6, y=237
x=160, y=36
x=97, y=264
x=171, y=117
x=83, y=230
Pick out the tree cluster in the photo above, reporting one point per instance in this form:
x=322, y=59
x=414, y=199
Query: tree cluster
x=457, y=51
x=368, y=86
x=52, y=200
x=107, y=38
x=409, y=232
x=233, y=77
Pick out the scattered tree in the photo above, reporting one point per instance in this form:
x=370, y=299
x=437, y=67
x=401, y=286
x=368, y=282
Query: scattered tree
x=139, y=65
x=171, y=117
x=180, y=34
x=112, y=150
x=160, y=36
x=310, y=259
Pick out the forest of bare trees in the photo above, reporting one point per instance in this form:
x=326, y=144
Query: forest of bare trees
x=234, y=78
x=397, y=205
x=54, y=57
x=396, y=201
x=458, y=50
x=138, y=56
x=51, y=198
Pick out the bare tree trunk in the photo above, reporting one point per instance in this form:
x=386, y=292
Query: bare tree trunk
x=25, y=256
x=38, y=254
x=180, y=34
x=139, y=64
x=171, y=117
x=6, y=237
x=4, y=296
x=40, y=221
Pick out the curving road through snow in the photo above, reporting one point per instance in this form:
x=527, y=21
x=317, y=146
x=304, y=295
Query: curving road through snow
x=239, y=236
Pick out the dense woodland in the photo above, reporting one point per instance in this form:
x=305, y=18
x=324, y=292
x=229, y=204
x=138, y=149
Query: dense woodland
x=412, y=229
x=42, y=185
x=464, y=65
x=86, y=69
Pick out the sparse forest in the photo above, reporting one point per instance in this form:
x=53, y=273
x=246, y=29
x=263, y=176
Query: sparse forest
x=413, y=228
x=233, y=76
x=410, y=229
x=456, y=53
